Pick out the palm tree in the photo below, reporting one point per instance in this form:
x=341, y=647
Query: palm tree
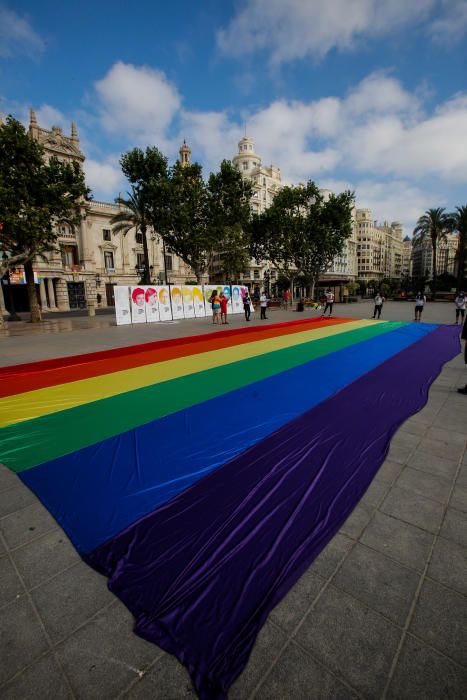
x=459, y=218
x=433, y=225
x=134, y=215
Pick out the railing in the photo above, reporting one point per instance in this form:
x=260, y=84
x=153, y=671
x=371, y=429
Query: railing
x=103, y=205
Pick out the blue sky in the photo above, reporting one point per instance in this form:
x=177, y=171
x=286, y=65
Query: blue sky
x=363, y=94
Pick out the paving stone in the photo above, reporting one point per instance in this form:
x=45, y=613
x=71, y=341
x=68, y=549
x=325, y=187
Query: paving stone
x=399, y=453
x=412, y=428
x=104, y=656
x=10, y=584
x=448, y=565
x=14, y=499
x=409, y=506
x=8, y=479
x=45, y=557
x=2, y=548
x=375, y=493
x=21, y=640
x=440, y=619
x=423, y=674
x=405, y=440
x=462, y=476
x=407, y=544
x=331, y=556
x=451, y=419
x=427, y=485
x=431, y=464
x=297, y=675
x=267, y=647
x=355, y=642
x=44, y=679
x=449, y=436
x=388, y=472
x=166, y=680
x=459, y=499
x=26, y=525
x=70, y=599
x=419, y=419
x=445, y=449
x=378, y=582
x=357, y=520
x=455, y=527
x=293, y=607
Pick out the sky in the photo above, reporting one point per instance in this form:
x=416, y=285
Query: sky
x=367, y=95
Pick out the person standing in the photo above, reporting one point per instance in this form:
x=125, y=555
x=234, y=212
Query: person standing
x=263, y=302
x=224, y=309
x=247, y=306
x=464, y=337
x=329, y=302
x=216, y=308
x=379, y=301
x=420, y=301
x=459, y=301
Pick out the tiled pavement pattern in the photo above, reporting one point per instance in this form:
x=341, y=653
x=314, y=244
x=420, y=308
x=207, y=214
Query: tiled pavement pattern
x=382, y=613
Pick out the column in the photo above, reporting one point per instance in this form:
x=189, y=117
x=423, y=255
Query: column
x=43, y=296
x=50, y=287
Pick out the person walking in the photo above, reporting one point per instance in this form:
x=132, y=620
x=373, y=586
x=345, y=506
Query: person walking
x=329, y=302
x=263, y=302
x=464, y=337
x=459, y=301
x=247, y=306
x=420, y=301
x=379, y=301
x=224, y=302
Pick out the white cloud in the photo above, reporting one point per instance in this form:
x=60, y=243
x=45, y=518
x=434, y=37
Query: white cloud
x=451, y=25
x=105, y=177
x=17, y=35
x=138, y=102
x=296, y=29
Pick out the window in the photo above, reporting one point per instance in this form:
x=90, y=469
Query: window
x=256, y=274
x=109, y=261
x=264, y=182
x=168, y=262
x=139, y=237
x=69, y=255
x=106, y=234
x=245, y=165
x=245, y=147
x=140, y=260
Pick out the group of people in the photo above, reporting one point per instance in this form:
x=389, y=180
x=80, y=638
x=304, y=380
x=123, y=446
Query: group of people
x=219, y=305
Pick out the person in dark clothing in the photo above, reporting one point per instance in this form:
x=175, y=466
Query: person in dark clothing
x=247, y=306
x=464, y=337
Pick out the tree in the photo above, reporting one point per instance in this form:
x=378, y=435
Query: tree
x=433, y=225
x=147, y=203
x=301, y=233
x=35, y=196
x=459, y=218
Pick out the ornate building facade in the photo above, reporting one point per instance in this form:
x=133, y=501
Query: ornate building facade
x=90, y=260
x=422, y=256
x=379, y=248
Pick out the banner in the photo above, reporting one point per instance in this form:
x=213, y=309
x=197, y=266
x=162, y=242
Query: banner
x=188, y=303
x=237, y=299
x=198, y=301
x=152, y=304
x=177, y=301
x=138, y=305
x=122, y=305
x=165, y=309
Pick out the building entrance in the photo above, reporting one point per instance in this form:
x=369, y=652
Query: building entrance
x=76, y=295
x=109, y=293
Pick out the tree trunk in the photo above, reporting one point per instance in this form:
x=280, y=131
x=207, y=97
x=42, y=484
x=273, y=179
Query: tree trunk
x=433, y=288
x=35, y=309
x=292, y=296
x=147, y=271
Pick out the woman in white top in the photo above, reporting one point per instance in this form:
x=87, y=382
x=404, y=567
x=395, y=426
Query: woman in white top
x=420, y=301
x=459, y=301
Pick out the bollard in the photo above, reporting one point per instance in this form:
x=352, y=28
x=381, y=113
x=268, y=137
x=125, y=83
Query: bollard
x=91, y=308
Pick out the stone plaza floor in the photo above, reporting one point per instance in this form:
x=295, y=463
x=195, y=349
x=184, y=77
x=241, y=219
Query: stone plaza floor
x=382, y=612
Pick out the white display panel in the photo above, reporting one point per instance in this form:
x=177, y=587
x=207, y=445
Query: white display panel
x=188, y=301
x=165, y=308
x=177, y=301
x=237, y=299
x=152, y=304
x=198, y=301
x=122, y=305
x=138, y=305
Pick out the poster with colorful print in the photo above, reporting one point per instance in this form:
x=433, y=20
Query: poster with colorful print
x=165, y=308
x=227, y=292
x=237, y=299
x=198, y=302
x=188, y=306
x=122, y=305
x=138, y=305
x=177, y=301
x=152, y=304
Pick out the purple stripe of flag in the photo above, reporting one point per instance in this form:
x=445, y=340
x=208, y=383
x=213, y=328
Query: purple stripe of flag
x=202, y=573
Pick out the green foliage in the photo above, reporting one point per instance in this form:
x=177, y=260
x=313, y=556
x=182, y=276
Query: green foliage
x=301, y=233
x=434, y=225
x=34, y=197
x=459, y=219
x=134, y=214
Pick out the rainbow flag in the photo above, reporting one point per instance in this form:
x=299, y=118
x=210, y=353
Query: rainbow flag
x=203, y=475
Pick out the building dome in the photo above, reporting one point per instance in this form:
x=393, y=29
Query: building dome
x=246, y=159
